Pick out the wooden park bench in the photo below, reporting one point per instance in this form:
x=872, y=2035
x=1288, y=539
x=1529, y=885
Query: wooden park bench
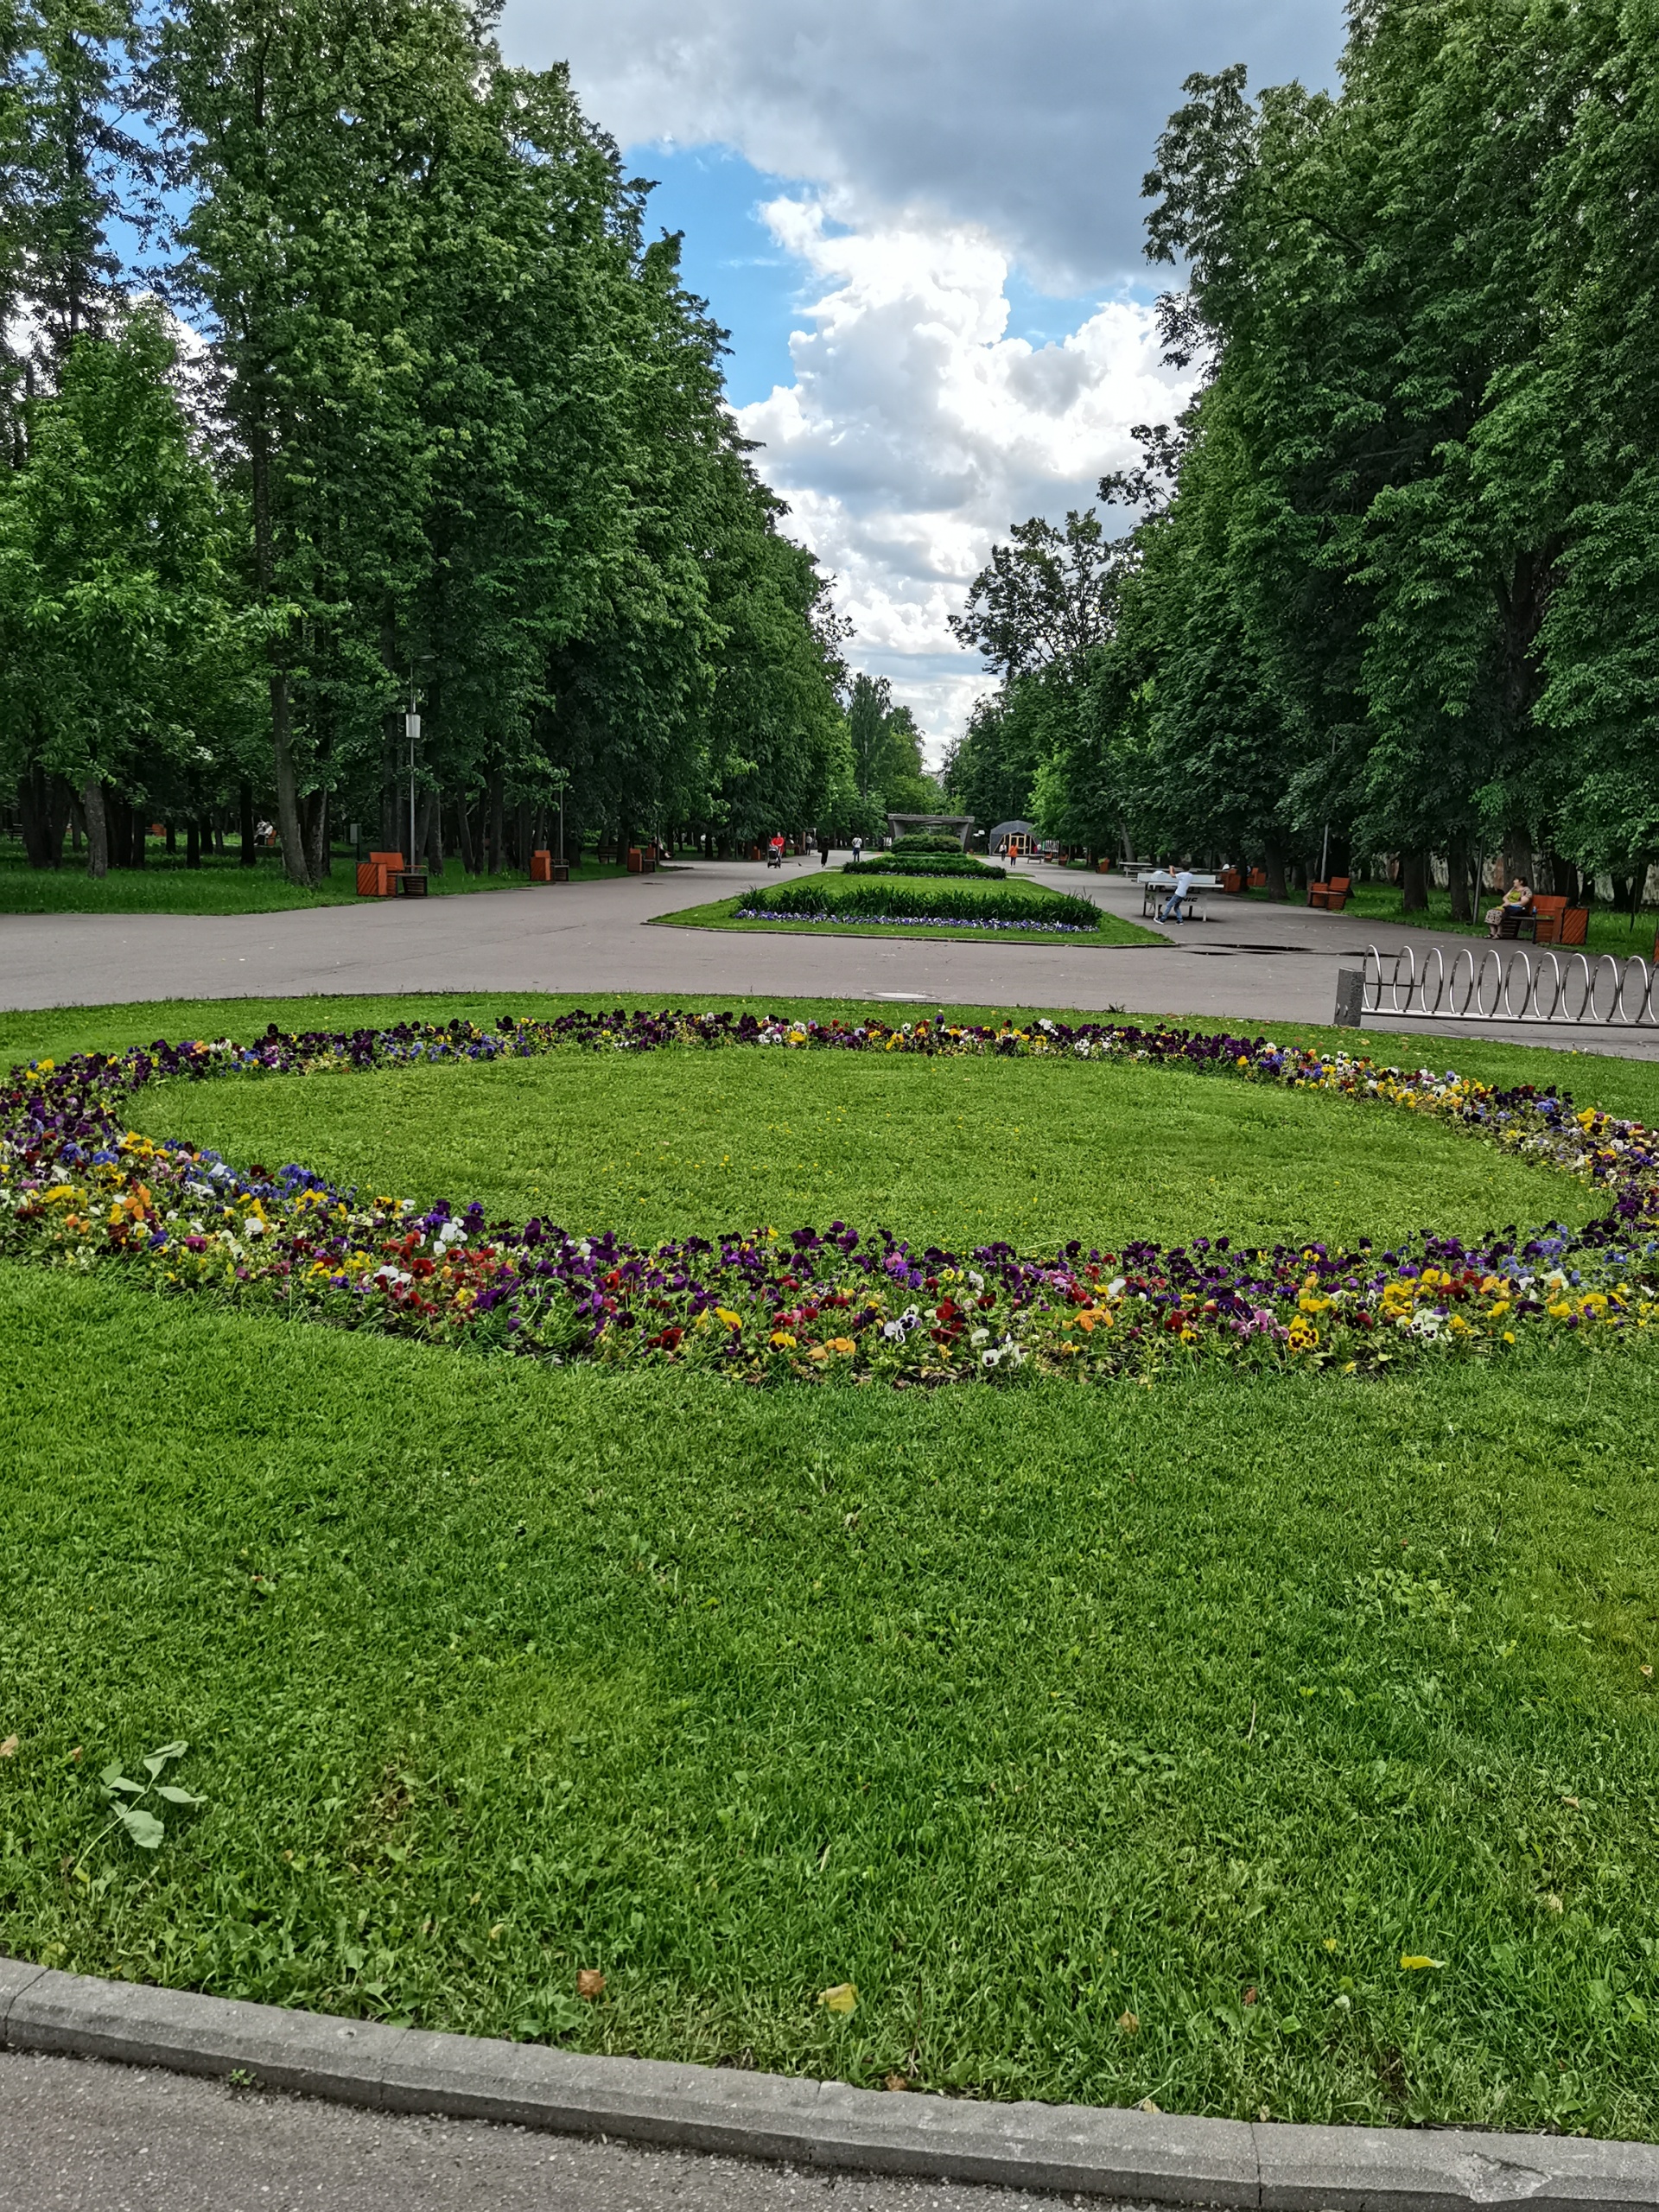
x=1332, y=896
x=1557, y=922
x=377, y=876
x=1550, y=919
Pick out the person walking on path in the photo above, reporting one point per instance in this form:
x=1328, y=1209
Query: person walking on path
x=1171, y=910
x=858, y=850
x=823, y=848
x=775, y=850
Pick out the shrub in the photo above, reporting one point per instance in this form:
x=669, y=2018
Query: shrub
x=908, y=899
x=896, y=863
x=928, y=840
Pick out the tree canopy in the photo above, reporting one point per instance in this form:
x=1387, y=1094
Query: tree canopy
x=1391, y=587
x=411, y=413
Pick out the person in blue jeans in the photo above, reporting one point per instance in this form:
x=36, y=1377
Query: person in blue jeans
x=1171, y=909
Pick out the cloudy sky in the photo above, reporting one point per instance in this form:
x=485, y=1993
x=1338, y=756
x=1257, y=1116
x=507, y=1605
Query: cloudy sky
x=922, y=225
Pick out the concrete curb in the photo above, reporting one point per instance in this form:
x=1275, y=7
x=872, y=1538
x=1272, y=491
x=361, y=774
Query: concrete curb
x=1105, y=2151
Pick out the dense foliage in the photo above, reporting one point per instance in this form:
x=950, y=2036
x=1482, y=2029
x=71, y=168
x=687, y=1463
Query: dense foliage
x=411, y=414
x=896, y=863
x=1391, y=589
x=911, y=897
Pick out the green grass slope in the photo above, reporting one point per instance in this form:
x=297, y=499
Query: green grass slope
x=1114, y=1744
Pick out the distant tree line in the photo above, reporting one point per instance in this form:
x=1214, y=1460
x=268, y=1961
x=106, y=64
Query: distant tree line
x=1392, y=584
x=406, y=410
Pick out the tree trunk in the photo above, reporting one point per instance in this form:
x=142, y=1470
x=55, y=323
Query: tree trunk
x=193, y=843
x=282, y=725
x=172, y=836
x=315, y=821
x=288, y=782
x=464, y=834
x=97, y=834
x=1413, y=882
x=43, y=803
x=1517, y=855
x=1460, y=867
x=428, y=825
x=496, y=831
x=1274, y=870
x=394, y=797
x=138, y=852
x=248, y=857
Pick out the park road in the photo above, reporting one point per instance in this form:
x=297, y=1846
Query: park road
x=77, y=2135
x=1260, y=966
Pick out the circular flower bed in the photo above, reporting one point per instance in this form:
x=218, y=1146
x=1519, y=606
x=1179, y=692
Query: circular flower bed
x=79, y=1190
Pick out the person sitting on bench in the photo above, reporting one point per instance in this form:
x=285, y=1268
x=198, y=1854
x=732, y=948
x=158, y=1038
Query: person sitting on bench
x=1517, y=899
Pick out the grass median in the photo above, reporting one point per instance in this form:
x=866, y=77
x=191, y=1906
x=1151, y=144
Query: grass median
x=730, y=915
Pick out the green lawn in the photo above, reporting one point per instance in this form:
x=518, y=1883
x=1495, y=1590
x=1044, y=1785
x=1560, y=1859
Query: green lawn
x=165, y=886
x=948, y=1151
x=1608, y=932
x=721, y=914
x=1057, y=1719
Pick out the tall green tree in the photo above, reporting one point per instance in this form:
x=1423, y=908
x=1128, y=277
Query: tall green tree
x=121, y=635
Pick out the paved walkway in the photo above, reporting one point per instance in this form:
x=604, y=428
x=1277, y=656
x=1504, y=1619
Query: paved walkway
x=79, y=2136
x=1258, y=965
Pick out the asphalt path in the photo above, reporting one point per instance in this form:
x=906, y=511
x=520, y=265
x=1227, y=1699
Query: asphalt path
x=1258, y=965
x=77, y=2135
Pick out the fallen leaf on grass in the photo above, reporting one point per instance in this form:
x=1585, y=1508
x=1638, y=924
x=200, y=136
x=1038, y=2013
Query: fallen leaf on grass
x=590, y=1983
x=1130, y=2023
x=841, y=1998
x=1249, y=1994
x=9, y=1749
x=1413, y=1962
x=895, y=2082
x=1146, y=2104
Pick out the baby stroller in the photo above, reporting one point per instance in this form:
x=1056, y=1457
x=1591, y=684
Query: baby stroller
x=775, y=853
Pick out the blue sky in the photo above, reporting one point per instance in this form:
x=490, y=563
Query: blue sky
x=943, y=322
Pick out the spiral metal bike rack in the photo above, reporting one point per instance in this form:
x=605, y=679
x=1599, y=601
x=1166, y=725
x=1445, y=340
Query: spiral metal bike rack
x=1492, y=984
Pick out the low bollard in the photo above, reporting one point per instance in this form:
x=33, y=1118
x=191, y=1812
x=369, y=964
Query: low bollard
x=1350, y=998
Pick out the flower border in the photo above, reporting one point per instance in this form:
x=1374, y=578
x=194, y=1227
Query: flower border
x=79, y=1190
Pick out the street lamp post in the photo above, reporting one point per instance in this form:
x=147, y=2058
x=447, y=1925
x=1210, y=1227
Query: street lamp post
x=412, y=732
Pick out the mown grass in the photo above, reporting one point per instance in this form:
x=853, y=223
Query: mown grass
x=1060, y=1722
x=959, y=1152
x=1608, y=931
x=1114, y=1744
x=723, y=914
x=165, y=886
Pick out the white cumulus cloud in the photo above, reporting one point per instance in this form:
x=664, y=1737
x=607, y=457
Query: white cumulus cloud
x=951, y=144
x=915, y=431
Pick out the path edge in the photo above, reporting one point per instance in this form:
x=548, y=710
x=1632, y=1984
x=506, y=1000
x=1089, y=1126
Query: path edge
x=1107, y=2151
